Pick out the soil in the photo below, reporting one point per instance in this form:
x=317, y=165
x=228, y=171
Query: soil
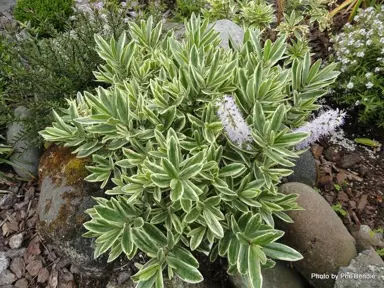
x=33, y=263
x=353, y=179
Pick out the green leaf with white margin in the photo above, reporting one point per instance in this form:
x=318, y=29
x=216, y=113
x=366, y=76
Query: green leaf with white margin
x=213, y=223
x=242, y=260
x=146, y=272
x=115, y=252
x=161, y=180
x=185, y=271
x=192, y=215
x=283, y=216
x=191, y=171
x=277, y=118
x=258, y=117
x=259, y=253
x=281, y=252
x=173, y=151
x=224, y=243
x=232, y=170
x=191, y=191
x=144, y=242
x=159, y=279
x=148, y=283
x=254, y=269
x=169, y=168
x=177, y=189
x=233, y=250
x=126, y=241
x=267, y=238
x=109, y=215
x=107, y=240
x=155, y=234
x=185, y=255
x=196, y=237
x=133, y=157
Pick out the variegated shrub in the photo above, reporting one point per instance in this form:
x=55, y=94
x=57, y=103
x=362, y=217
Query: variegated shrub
x=166, y=135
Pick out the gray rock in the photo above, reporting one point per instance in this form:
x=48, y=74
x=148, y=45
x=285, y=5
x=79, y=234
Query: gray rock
x=124, y=276
x=318, y=234
x=332, y=153
x=177, y=28
x=8, y=200
x=305, y=170
x=7, y=277
x=365, y=271
x=16, y=240
x=25, y=157
x=13, y=253
x=369, y=257
x=347, y=161
x=366, y=238
x=227, y=30
x=4, y=262
x=21, y=283
x=64, y=196
x=6, y=5
x=276, y=277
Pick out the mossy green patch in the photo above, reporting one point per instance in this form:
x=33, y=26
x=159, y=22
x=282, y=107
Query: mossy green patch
x=75, y=170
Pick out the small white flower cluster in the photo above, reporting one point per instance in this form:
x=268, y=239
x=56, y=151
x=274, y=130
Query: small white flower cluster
x=325, y=124
x=233, y=122
x=357, y=46
x=85, y=6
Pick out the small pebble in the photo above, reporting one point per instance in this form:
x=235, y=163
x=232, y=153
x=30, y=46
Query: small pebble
x=4, y=262
x=16, y=240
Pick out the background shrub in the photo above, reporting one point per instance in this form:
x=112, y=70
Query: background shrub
x=185, y=8
x=41, y=73
x=359, y=50
x=44, y=15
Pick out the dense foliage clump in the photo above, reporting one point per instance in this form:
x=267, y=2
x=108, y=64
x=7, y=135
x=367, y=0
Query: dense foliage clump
x=44, y=15
x=359, y=50
x=262, y=13
x=193, y=140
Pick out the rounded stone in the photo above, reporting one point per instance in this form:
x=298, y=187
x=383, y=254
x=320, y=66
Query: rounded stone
x=4, y=262
x=228, y=30
x=278, y=276
x=177, y=28
x=305, y=170
x=318, y=234
x=25, y=157
x=366, y=238
x=7, y=277
x=64, y=196
x=16, y=240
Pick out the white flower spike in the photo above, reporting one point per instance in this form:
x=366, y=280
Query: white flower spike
x=234, y=124
x=325, y=124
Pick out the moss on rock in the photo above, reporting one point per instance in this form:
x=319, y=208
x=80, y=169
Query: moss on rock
x=64, y=196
